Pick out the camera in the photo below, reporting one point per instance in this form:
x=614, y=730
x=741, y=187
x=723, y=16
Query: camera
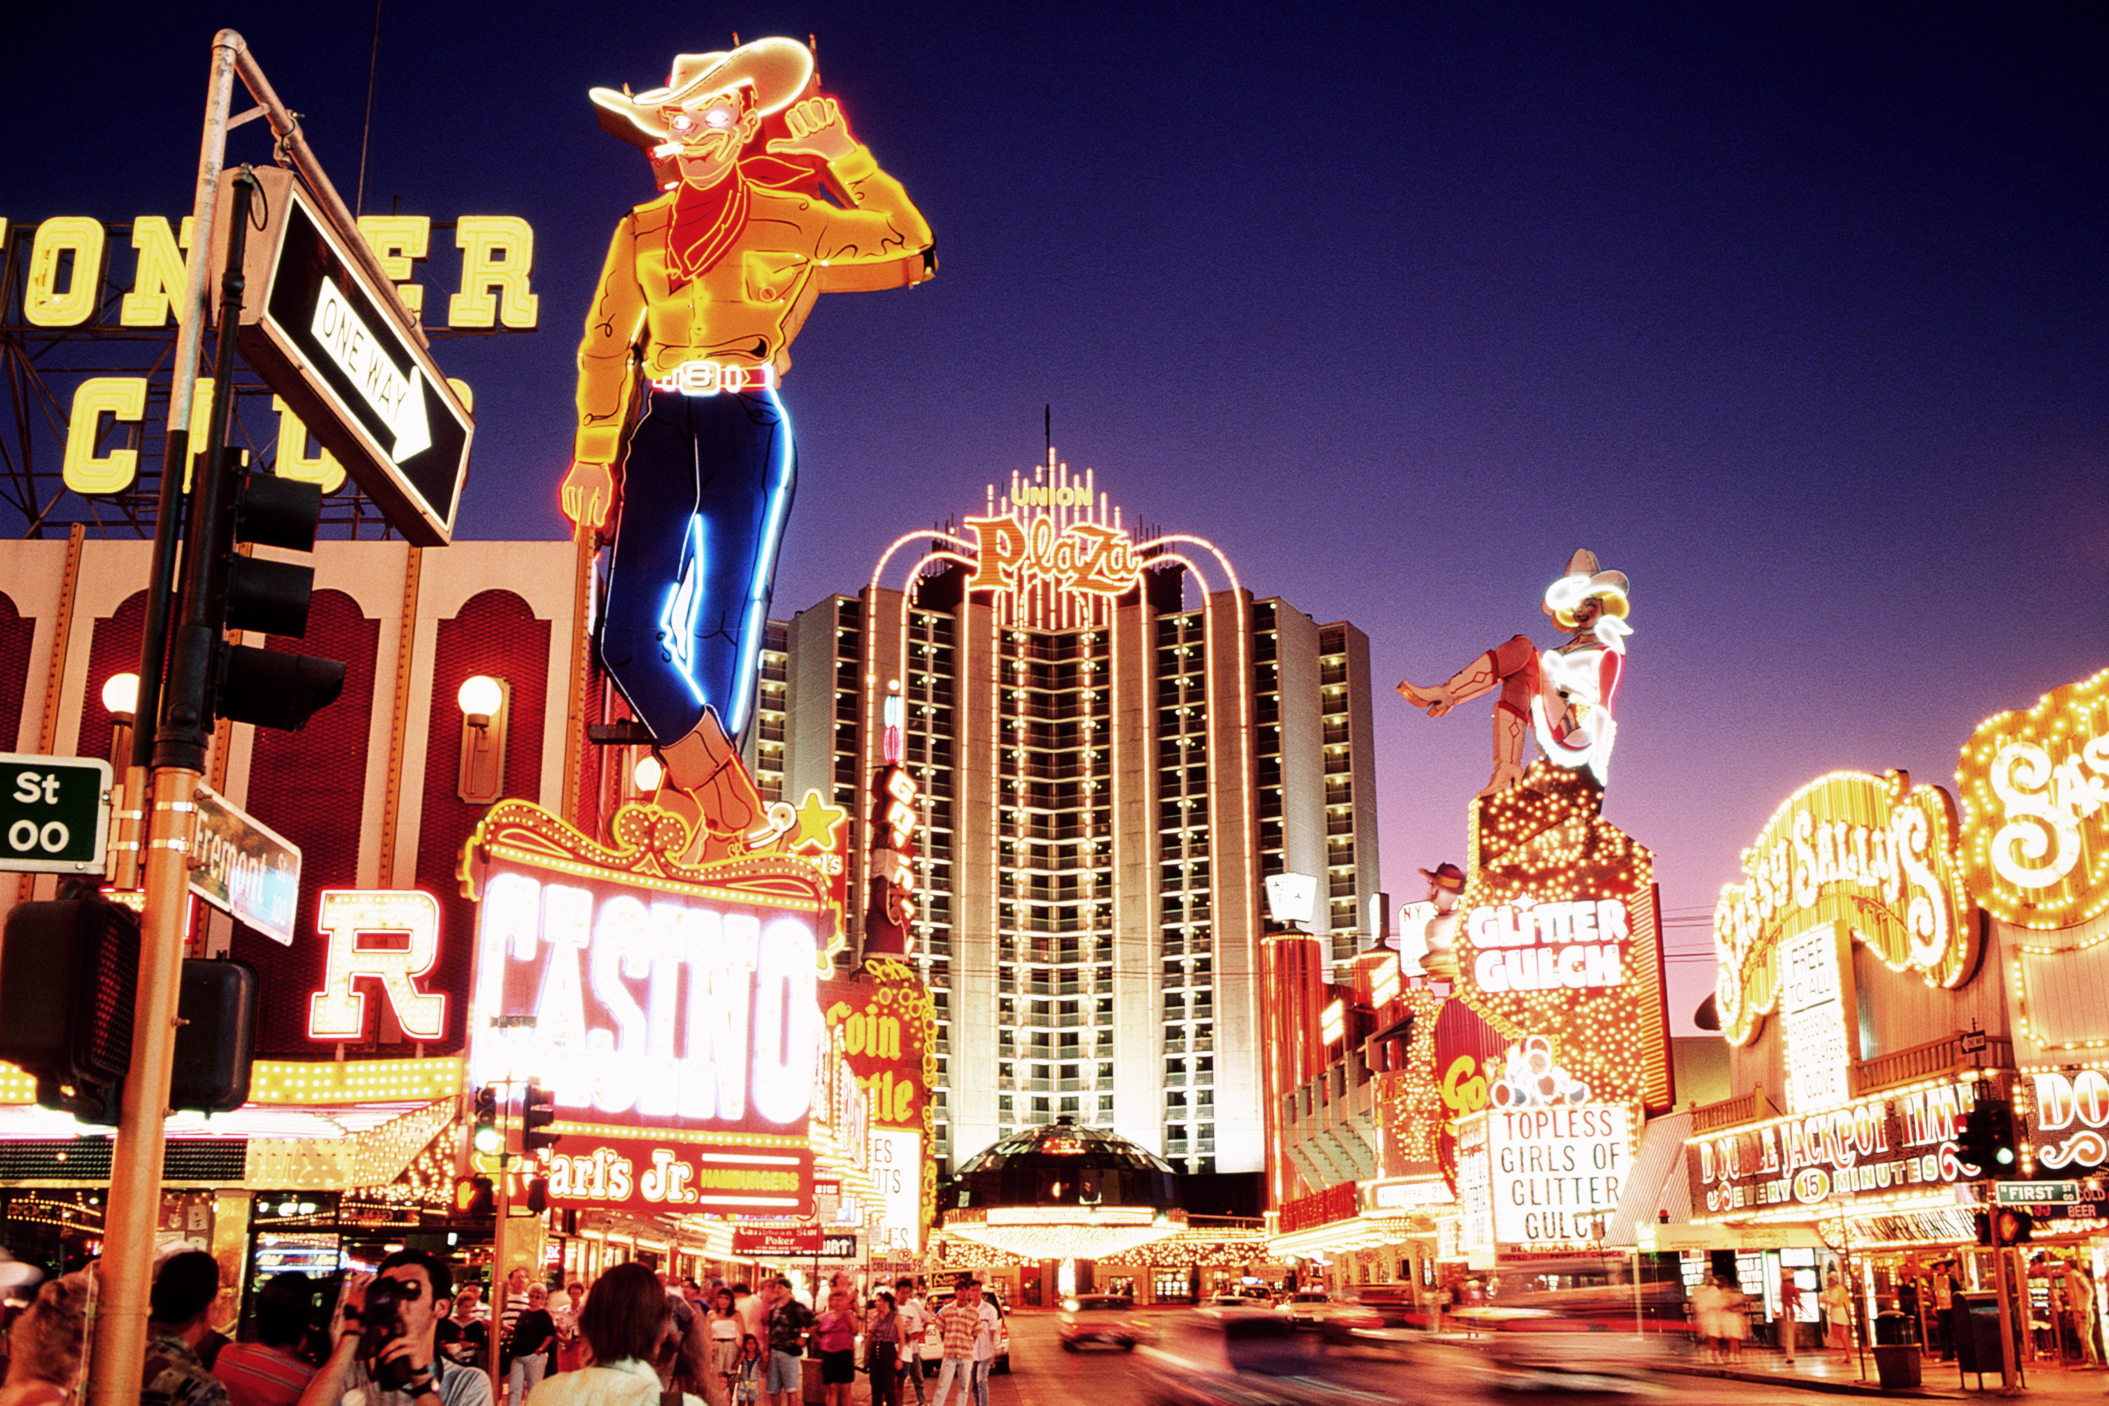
x=381, y=1322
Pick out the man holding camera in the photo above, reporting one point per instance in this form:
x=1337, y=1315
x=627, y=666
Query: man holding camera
x=383, y=1341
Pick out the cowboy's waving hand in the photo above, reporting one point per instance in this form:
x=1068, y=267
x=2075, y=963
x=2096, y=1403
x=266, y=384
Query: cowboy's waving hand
x=817, y=129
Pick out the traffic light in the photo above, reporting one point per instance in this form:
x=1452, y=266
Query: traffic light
x=69, y=972
x=487, y=1137
x=538, y=1109
x=225, y=590
x=1986, y=1138
x=268, y=687
x=2005, y=1226
x=538, y=1195
x=216, y=1043
x=473, y=1198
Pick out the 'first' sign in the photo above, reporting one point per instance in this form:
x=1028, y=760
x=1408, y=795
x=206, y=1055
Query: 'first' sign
x=54, y=814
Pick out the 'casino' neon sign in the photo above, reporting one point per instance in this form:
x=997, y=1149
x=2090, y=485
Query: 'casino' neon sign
x=693, y=1010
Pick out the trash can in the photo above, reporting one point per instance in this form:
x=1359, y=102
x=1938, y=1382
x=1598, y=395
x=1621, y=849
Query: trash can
x=1897, y=1364
x=1892, y=1328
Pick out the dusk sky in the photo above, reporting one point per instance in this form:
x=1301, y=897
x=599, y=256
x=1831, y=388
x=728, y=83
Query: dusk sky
x=1794, y=316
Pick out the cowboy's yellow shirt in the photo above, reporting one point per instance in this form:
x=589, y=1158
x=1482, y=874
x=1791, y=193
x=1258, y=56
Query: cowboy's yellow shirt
x=750, y=305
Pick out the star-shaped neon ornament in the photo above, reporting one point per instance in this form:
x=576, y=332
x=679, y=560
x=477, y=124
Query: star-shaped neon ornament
x=817, y=823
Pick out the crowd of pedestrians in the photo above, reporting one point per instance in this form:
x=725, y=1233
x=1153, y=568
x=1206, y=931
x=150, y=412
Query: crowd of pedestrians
x=407, y=1335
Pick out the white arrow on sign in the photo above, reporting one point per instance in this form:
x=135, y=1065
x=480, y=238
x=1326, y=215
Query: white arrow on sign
x=398, y=399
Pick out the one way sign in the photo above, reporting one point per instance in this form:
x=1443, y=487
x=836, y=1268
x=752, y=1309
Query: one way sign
x=332, y=345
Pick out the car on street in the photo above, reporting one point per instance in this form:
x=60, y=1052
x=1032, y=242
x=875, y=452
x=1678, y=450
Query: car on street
x=1231, y=1358
x=1303, y=1305
x=933, y=1347
x=1103, y=1320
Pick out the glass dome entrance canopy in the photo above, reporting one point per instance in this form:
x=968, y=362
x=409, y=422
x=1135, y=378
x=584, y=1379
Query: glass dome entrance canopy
x=1064, y=1192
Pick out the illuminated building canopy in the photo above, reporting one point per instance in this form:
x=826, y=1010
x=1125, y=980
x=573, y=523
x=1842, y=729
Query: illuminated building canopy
x=1064, y=1191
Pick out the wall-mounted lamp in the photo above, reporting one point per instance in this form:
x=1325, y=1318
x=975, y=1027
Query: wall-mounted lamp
x=485, y=705
x=121, y=697
x=647, y=774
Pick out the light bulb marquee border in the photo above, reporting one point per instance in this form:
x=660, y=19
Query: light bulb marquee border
x=2035, y=803
x=1873, y=853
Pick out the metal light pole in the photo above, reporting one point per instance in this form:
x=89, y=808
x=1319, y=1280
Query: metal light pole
x=180, y=742
x=174, y=726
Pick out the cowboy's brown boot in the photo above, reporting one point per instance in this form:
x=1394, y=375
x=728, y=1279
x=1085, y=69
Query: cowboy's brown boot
x=707, y=766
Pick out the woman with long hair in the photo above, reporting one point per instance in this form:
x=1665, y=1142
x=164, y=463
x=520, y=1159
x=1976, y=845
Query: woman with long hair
x=723, y=1321
x=882, y=1349
x=628, y=1325
x=44, y=1345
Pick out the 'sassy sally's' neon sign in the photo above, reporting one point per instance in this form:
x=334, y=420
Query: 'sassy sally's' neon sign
x=646, y=1006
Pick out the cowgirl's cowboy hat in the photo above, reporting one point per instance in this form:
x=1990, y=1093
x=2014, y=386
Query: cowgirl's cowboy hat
x=1582, y=581
x=777, y=70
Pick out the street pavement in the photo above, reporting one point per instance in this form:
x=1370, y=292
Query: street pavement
x=1456, y=1370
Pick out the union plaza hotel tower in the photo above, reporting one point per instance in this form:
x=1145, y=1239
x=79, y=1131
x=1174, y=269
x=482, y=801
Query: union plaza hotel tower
x=1113, y=745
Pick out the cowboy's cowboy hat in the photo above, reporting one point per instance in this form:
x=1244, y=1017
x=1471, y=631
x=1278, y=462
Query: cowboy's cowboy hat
x=777, y=70
x=1582, y=581
x=1447, y=876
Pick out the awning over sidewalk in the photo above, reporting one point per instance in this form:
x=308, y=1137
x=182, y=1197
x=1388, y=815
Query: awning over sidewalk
x=1657, y=1183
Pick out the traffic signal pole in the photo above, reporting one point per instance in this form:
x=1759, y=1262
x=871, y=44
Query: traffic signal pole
x=180, y=741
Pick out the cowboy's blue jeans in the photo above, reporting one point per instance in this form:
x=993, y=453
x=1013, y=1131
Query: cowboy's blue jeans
x=706, y=485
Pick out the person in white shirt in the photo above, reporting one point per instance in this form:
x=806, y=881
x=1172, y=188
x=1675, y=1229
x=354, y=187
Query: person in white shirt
x=984, y=1341
x=914, y=1316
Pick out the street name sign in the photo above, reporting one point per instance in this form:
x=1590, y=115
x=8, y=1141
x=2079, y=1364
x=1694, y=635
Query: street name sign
x=2036, y=1193
x=243, y=867
x=329, y=341
x=54, y=814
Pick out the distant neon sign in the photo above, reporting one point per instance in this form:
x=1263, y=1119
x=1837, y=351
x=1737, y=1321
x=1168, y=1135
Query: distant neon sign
x=1012, y=553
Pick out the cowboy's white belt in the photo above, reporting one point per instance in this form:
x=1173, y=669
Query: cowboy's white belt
x=711, y=377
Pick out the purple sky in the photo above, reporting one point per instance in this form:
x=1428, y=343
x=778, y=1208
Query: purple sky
x=1795, y=318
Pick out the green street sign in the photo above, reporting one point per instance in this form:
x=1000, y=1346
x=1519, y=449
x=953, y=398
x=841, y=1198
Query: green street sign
x=54, y=814
x=2036, y=1193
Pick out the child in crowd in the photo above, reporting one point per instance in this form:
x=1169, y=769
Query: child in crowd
x=747, y=1391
